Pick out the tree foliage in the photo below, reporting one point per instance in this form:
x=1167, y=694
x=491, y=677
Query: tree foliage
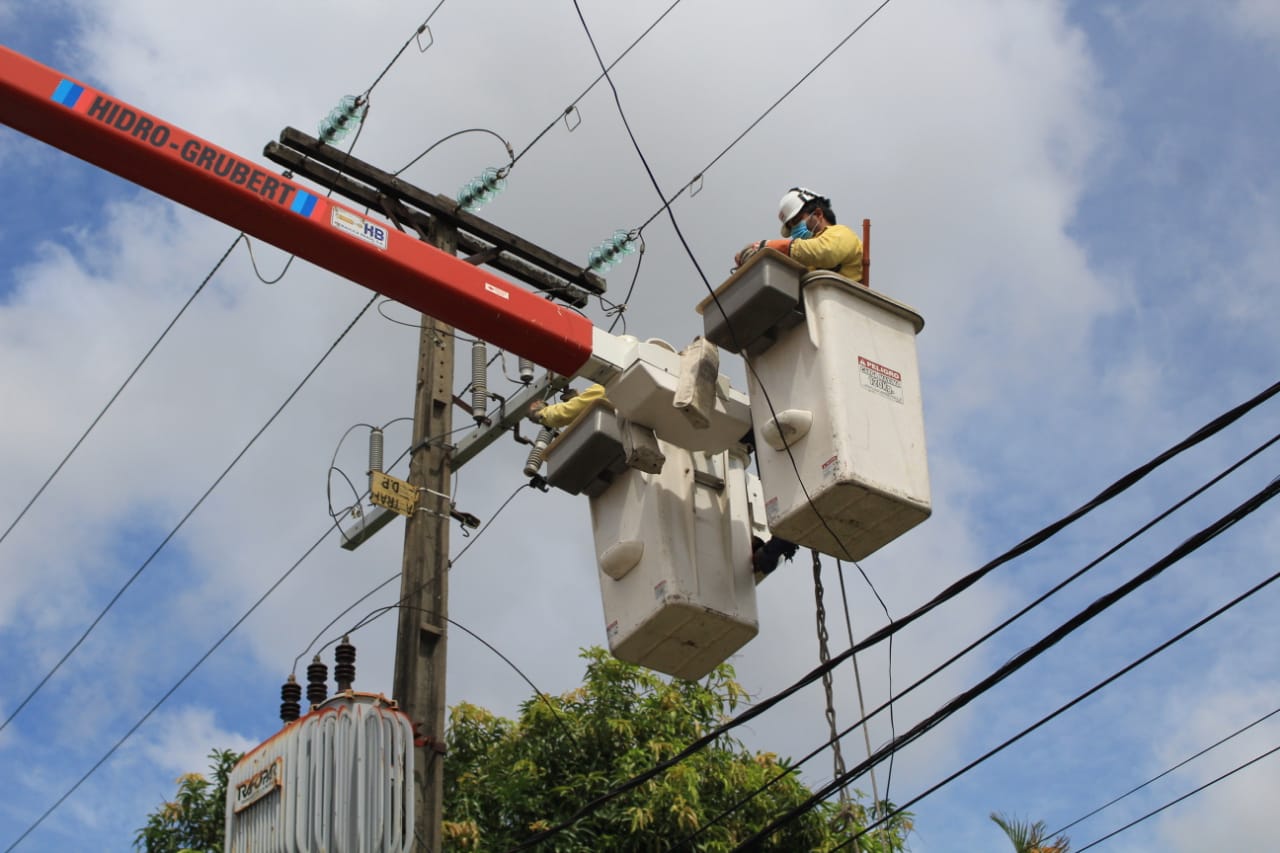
x=506, y=779
x=193, y=822
x=1028, y=837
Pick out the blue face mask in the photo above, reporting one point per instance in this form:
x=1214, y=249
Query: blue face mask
x=800, y=231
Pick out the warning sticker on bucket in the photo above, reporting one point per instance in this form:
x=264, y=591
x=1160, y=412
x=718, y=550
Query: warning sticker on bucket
x=880, y=379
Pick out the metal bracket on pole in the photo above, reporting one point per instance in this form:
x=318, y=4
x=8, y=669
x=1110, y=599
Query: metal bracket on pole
x=511, y=413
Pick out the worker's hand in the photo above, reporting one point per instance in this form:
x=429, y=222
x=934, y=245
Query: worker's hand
x=746, y=252
x=535, y=408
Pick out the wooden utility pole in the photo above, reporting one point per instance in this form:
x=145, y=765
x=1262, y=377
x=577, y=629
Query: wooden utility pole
x=419, y=681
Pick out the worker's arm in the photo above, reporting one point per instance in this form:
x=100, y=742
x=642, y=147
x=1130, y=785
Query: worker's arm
x=562, y=414
x=837, y=247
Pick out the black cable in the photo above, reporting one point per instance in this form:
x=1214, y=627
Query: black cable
x=188, y=515
x=433, y=146
x=170, y=691
x=619, y=310
x=796, y=765
x=1018, y=661
x=377, y=588
x=183, y=309
x=667, y=202
x=419, y=31
x=194, y=667
x=377, y=614
x=1118, y=487
x=893, y=723
x=569, y=109
x=1063, y=708
x=715, y=298
x=333, y=466
x=456, y=335
x=253, y=262
x=1174, y=802
x=123, y=385
x=1159, y=776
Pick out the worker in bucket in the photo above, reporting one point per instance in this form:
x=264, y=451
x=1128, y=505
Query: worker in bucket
x=811, y=235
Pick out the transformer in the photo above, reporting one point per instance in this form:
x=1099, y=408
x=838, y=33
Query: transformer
x=337, y=780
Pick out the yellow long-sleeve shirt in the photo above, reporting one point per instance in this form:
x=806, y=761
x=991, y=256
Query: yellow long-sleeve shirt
x=559, y=415
x=837, y=249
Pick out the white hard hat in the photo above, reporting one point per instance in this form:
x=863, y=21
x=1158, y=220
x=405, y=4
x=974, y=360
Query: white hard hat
x=792, y=203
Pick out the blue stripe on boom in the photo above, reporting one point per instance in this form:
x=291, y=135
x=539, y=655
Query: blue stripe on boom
x=68, y=93
x=303, y=203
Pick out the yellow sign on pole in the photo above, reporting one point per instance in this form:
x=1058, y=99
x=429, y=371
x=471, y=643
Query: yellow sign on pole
x=392, y=493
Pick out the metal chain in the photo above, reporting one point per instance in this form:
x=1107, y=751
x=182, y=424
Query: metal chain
x=824, y=656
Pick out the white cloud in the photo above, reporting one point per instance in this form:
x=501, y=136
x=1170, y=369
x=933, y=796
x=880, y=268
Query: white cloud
x=1256, y=19
x=177, y=741
x=968, y=136
x=1232, y=814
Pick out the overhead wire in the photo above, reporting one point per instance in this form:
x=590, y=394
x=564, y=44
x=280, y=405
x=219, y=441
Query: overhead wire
x=1025, y=657
x=253, y=262
x=134, y=728
x=389, y=580
x=794, y=766
x=862, y=705
x=374, y=615
x=182, y=680
x=134, y=577
x=147, y=355
x=715, y=298
x=1116, y=488
x=433, y=146
x=1184, y=762
x=1177, y=800
x=603, y=75
x=174, y=531
x=378, y=613
x=1255, y=589
x=697, y=178
x=396, y=58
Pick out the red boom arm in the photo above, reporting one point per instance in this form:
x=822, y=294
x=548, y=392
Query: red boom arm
x=115, y=136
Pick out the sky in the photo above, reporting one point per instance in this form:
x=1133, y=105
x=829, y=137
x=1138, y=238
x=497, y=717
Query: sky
x=1081, y=199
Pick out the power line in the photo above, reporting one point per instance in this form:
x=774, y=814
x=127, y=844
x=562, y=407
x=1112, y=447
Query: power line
x=253, y=262
x=1118, y=487
x=603, y=75
x=183, y=309
x=134, y=728
x=227, y=470
x=1092, y=690
x=667, y=202
x=433, y=146
x=1188, y=546
x=795, y=766
x=1161, y=775
x=419, y=31
x=123, y=385
x=270, y=590
x=706, y=282
x=383, y=610
x=1174, y=802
